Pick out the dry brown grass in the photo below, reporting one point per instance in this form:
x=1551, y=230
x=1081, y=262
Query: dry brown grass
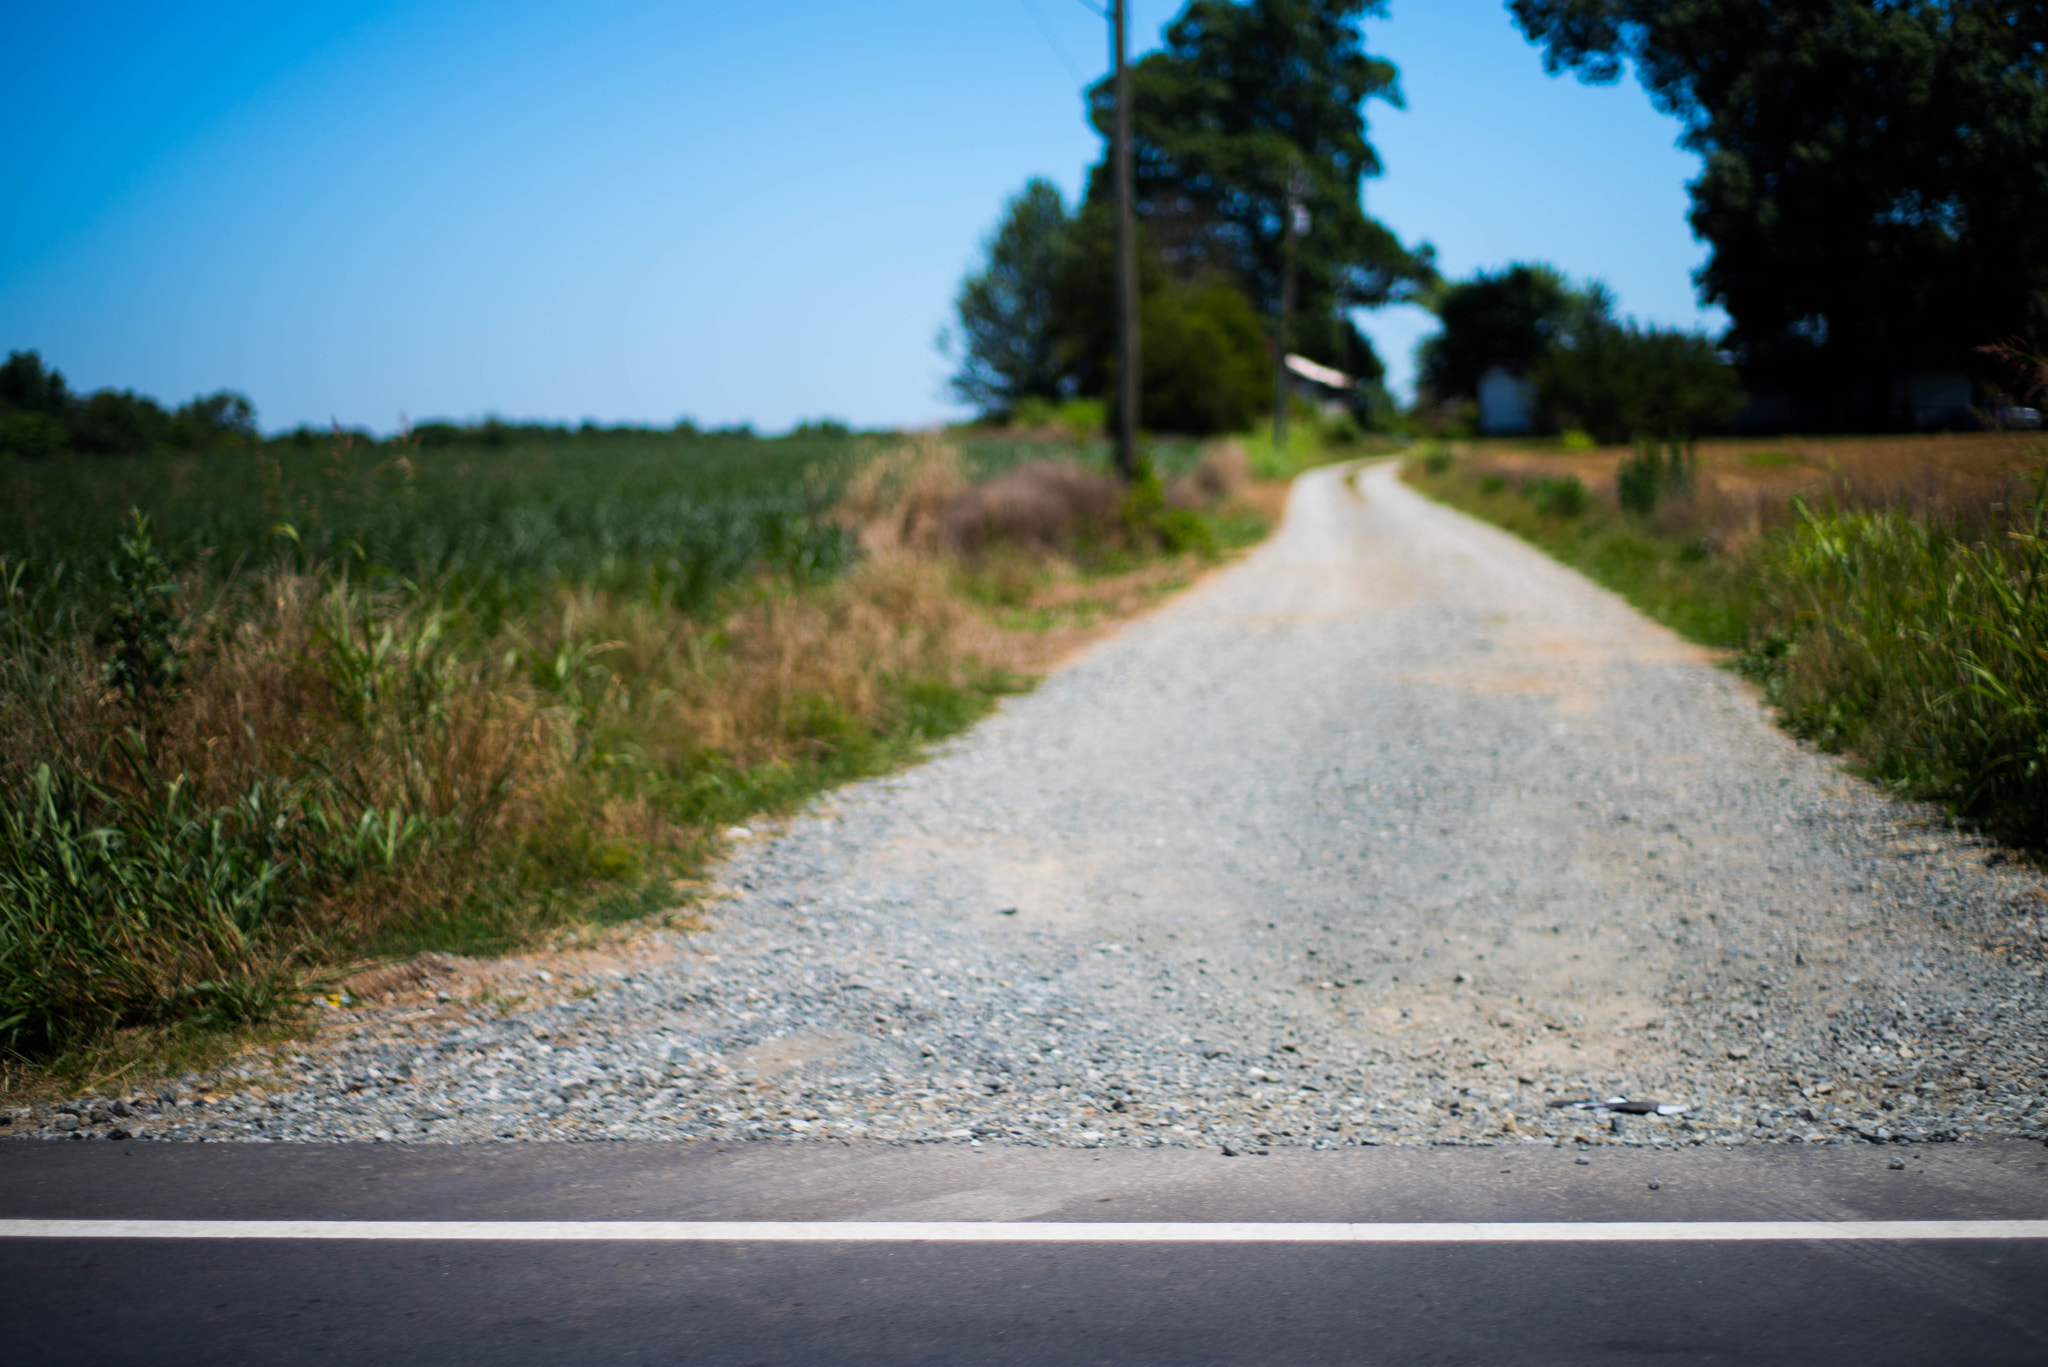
x=559, y=752
x=1743, y=486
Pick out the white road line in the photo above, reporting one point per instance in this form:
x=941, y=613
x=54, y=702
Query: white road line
x=967, y=1231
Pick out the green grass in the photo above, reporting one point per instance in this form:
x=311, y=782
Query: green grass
x=360, y=701
x=671, y=516
x=1307, y=447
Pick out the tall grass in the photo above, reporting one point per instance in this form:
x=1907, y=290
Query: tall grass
x=468, y=695
x=1920, y=645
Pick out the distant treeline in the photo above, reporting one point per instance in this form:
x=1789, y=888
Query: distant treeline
x=498, y=432
x=41, y=418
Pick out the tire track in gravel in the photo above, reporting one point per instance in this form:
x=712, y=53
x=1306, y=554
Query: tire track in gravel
x=1394, y=832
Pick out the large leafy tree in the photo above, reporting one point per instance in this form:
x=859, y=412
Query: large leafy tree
x=1206, y=365
x=1511, y=317
x=1875, y=189
x=1248, y=105
x=1007, y=336
x=41, y=416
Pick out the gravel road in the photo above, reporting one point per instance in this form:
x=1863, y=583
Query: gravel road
x=1395, y=832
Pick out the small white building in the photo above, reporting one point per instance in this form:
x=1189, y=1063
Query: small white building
x=1507, y=403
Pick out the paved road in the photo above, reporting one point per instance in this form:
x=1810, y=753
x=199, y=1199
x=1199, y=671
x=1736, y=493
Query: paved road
x=451, y=1303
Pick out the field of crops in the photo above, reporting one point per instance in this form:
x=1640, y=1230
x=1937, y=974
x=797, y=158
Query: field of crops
x=269, y=712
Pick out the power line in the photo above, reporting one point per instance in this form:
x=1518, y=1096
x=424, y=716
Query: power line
x=1059, y=50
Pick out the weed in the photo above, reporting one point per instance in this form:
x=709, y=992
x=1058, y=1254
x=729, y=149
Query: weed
x=1565, y=497
x=142, y=629
x=1654, y=471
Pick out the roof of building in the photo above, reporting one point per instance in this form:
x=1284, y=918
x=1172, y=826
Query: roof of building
x=1320, y=374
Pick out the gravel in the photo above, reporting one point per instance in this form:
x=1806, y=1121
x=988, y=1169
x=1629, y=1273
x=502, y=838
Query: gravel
x=1397, y=832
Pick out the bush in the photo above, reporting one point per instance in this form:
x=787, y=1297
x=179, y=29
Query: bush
x=1342, y=430
x=1084, y=419
x=1557, y=497
x=1206, y=368
x=1653, y=471
x=30, y=436
x=1619, y=382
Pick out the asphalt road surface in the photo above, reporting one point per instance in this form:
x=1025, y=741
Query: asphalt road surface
x=1195, y=1290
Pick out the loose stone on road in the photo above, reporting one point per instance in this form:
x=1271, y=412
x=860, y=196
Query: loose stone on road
x=1395, y=832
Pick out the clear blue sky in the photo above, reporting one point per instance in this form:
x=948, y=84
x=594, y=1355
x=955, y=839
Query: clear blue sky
x=633, y=211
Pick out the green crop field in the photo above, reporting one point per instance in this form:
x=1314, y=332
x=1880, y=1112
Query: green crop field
x=674, y=517
x=333, y=698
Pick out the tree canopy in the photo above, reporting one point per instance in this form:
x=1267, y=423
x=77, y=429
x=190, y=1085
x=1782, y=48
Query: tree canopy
x=1875, y=190
x=1590, y=370
x=1008, y=337
x=40, y=416
x=1511, y=317
x=1250, y=103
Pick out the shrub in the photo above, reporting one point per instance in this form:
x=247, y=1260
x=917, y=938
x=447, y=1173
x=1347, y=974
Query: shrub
x=1619, y=382
x=1034, y=411
x=1653, y=471
x=142, y=630
x=1084, y=419
x=30, y=436
x=1564, y=497
x=1206, y=368
x=1342, y=430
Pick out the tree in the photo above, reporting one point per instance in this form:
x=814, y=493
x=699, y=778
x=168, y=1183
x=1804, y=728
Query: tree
x=222, y=421
x=1875, y=190
x=40, y=416
x=1621, y=382
x=1252, y=104
x=1007, y=332
x=1511, y=317
x=1206, y=359
x=26, y=384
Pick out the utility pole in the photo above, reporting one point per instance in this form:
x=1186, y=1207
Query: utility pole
x=1126, y=261
x=1297, y=224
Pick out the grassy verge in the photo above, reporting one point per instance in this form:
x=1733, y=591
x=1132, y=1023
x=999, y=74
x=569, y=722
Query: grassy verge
x=476, y=698
x=1900, y=620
